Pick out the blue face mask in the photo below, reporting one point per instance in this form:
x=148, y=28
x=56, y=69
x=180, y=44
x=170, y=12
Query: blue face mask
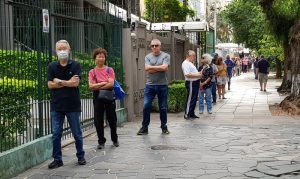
x=62, y=54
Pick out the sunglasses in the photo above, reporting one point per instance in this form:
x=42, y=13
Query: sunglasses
x=154, y=46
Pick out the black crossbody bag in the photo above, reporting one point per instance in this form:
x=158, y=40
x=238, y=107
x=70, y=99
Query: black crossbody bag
x=105, y=95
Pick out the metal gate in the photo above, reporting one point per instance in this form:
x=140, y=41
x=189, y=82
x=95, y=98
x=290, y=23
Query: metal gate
x=28, y=32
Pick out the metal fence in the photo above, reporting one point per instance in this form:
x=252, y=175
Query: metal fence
x=26, y=49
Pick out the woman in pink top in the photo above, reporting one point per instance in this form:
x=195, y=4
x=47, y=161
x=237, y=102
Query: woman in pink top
x=245, y=64
x=102, y=78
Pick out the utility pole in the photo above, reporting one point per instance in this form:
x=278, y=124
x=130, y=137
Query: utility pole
x=215, y=23
x=128, y=9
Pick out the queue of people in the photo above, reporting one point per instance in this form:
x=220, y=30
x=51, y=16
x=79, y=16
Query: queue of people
x=201, y=85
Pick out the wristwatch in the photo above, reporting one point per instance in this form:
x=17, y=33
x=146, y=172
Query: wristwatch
x=60, y=82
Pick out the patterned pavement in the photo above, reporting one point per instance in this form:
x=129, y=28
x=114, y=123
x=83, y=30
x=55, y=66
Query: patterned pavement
x=241, y=139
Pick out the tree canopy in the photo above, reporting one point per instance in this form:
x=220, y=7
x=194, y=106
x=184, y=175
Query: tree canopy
x=269, y=46
x=281, y=16
x=247, y=22
x=167, y=11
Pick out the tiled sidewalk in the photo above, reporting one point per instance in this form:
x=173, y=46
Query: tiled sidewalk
x=241, y=139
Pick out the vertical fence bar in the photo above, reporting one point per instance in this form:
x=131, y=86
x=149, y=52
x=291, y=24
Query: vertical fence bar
x=38, y=16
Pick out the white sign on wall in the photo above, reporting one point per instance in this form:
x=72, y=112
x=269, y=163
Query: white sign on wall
x=45, y=21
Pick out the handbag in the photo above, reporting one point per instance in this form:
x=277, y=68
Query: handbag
x=119, y=92
x=105, y=95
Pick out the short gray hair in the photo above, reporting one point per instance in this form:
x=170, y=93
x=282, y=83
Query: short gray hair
x=64, y=42
x=207, y=57
x=157, y=41
x=190, y=53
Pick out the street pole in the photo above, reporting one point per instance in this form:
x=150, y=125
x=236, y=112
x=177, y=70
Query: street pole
x=128, y=13
x=215, y=24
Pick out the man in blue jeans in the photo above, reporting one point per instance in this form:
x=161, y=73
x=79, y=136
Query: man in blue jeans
x=156, y=66
x=63, y=81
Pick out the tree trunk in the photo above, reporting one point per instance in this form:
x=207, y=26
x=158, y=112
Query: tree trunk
x=286, y=80
x=292, y=102
x=278, y=68
x=295, y=56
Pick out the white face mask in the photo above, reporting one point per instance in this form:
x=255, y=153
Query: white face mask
x=62, y=54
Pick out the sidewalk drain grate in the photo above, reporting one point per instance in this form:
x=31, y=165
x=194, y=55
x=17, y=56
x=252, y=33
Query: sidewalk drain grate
x=167, y=147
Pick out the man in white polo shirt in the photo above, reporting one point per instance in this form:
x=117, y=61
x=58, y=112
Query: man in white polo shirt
x=192, y=83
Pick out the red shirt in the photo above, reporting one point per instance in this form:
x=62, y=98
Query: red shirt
x=101, y=75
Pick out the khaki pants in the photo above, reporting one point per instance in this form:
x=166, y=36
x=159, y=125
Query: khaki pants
x=263, y=78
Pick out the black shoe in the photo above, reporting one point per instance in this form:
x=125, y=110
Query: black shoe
x=116, y=144
x=55, y=164
x=100, y=146
x=194, y=116
x=82, y=162
x=142, y=131
x=185, y=116
x=165, y=130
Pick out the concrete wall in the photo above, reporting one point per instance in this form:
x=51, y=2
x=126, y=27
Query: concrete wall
x=24, y=157
x=136, y=45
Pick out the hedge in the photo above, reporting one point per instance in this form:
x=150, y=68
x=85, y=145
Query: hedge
x=15, y=109
x=176, y=97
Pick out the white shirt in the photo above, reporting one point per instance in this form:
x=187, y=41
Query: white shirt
x=188, y=67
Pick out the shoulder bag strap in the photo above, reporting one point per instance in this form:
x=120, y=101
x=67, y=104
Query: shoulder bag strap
x=95, y=75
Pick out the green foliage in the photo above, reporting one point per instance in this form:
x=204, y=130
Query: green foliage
x=21, y=64
x=86, y=63
x=15, y=109
x=176, y=97
x=24, y=65
x=166, y=11
x=247, y=21
x=270, y=47
x=281, y=16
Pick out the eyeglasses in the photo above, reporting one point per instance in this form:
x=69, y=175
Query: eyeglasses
x=154, y=46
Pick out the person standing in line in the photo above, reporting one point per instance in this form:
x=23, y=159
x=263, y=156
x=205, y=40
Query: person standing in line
x=63, y=81
x=245, y=64
x=255, y=67
x=230, y=65
x=221, y=77
x=237, y=66
x=263, y=69
x=102, y=78
x=214, y=79
x=156, y=65
x=205, y=83
x=192, y=83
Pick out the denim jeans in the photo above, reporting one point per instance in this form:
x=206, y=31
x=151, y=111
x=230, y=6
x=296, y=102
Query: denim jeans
x=58, y=119
x=207, y=93
x=162, y=94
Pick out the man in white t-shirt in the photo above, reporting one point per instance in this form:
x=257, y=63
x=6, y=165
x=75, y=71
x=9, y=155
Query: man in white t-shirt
x=192, y=83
